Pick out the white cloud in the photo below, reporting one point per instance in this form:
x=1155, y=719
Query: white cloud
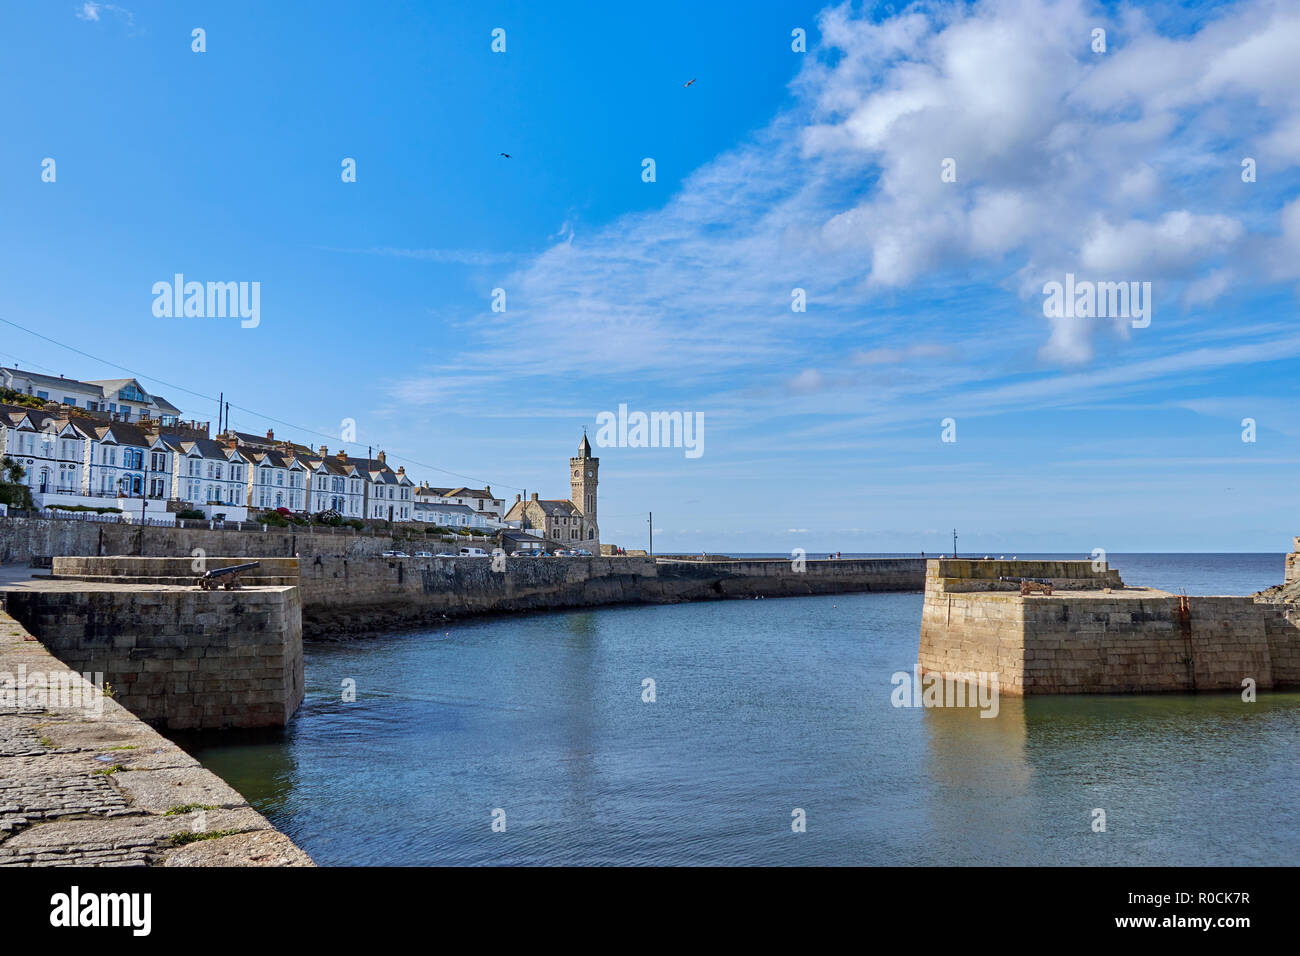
x=1061, y=156
x=90, y=11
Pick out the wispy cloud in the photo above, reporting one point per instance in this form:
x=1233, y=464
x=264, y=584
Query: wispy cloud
x=1112, y=166
x=92, y=12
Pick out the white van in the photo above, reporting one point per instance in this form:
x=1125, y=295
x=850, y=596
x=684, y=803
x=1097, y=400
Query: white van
x=473, y=553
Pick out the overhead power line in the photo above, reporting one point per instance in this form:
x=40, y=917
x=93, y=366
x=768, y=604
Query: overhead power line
x=401, y=458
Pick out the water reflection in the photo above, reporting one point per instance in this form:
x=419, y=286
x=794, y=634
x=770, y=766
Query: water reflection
x=761, y=707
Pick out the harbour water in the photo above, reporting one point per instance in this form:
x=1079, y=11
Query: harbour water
x=762, y=708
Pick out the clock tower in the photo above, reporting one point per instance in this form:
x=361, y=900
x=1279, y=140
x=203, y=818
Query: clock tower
x=584, y=475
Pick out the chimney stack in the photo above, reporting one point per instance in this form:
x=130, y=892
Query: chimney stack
x=341, y=455
x=270, y=435
x=324, y=452
x=534, y=496
x=401, y=469
x=380, y=457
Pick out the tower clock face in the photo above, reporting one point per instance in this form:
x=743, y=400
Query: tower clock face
x=577, y=474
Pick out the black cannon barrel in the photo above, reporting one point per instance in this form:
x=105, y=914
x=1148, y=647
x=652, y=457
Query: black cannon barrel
x=233, y=569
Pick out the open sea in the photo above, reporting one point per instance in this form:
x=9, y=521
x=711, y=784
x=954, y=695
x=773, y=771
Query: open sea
x=762, y=708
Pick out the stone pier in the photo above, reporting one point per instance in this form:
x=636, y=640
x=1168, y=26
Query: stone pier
x=1096, y=635
x=83, y=782
x=176, y=656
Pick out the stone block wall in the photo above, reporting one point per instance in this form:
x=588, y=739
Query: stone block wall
x=22, y=539
x=177, y=657
x=1293, y=562
x=1107, y=639
x=1143, y=644
x=269, y=572
x=1282, y=628
x=964, y=574
x=369, y=595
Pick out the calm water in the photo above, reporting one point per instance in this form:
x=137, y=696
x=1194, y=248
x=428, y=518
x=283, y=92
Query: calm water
x=763, y=706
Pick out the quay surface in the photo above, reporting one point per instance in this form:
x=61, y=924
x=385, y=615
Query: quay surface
x=84, y=782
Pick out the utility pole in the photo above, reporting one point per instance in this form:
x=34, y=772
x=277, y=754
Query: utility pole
x=652, y=534
x=954, y=542
x=221, y=399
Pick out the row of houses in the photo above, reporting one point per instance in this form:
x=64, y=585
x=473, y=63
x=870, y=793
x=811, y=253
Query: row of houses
x=111, y=443
x=70, y=457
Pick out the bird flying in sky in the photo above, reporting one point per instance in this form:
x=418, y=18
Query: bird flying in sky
x=690, y=81
x=506, y=155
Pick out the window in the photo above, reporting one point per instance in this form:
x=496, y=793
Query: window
x=44, y=395
x=69, y=400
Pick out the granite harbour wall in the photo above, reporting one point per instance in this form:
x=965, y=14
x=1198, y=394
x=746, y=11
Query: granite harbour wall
x=344, y=595
x=84, y=782
x=1093, y=634
x=347, y=596
x=25, y=539
x=176, y=656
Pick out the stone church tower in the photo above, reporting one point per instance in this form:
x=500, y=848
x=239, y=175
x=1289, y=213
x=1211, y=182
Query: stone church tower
x=584, y=472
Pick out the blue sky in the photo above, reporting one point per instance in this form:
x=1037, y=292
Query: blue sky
x=775, y=170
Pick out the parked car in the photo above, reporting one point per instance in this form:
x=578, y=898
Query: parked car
x=396, y=554
x=424, y=554
x=473, y=553
x=563, y=553
x=582, y=553
x=445, y=554
x=527, y=553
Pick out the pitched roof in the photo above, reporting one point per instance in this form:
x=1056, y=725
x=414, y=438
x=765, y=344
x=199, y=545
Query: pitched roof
x=122, y=433
x=36, y=378
x=444, y=509
x=469, y=493
x=111, y=386
x=204, y=446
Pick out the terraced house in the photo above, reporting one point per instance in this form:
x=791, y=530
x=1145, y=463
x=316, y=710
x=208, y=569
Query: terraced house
x=276, y=480
x=124, y=398
x=51, y=451
x=209, y=475
x=486, y=510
